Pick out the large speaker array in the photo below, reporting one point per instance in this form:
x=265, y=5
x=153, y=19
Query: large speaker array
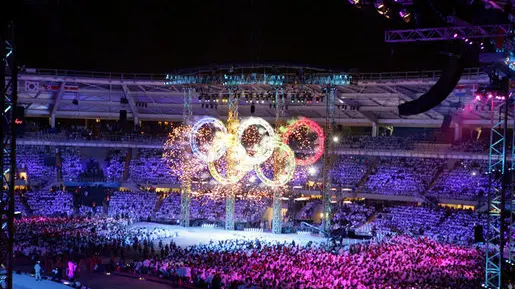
x=439, y=92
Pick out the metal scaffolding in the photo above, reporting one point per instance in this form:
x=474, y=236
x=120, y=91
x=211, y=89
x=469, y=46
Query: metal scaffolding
x=232, y=124
x=328, y=158
x=447, y=33
x=187, y=116
x=511, y=201
x=8, y=101
x=277, y=197
x=498, y=186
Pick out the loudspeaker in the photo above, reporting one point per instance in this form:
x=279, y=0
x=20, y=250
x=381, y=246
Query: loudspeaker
x=478, y=233
x=123, y=116
x=436, y=94
x=446, y=123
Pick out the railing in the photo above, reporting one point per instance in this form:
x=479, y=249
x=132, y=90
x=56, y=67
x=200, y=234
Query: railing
x=468, y=73
x=94, y=74
x=316, y=229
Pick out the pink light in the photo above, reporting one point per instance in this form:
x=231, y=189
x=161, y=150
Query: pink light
x=478, y=96
x=455, y=35
x=490, y=95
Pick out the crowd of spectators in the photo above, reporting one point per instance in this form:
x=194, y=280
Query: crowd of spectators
x=402, y=176
x=397, y=262
x=352, y=214
x=379, y=142
x=31, y=159
x=114, y=164
x=465, y=180
x=170, y=209
x=148, y=167
x=71, y=163
x=137, y=206
x=401, y=262
x=50, y=202
x=349, y=170
x=442, y=224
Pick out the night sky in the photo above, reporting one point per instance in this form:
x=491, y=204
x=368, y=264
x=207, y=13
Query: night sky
x=161, y=36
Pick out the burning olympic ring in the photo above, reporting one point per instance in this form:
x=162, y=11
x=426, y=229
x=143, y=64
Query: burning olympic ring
x=319, y=149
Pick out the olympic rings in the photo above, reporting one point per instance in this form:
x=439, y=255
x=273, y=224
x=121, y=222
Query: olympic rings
x=218, y=148
x=319, y=149
x=232, y=144
x=281, y=179
x=266, y=147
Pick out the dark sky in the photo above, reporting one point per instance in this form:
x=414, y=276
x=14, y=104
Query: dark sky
x=160, y=36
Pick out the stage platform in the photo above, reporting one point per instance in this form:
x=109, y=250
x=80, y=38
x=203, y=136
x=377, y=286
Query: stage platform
x=195, y=235
x=22, y=281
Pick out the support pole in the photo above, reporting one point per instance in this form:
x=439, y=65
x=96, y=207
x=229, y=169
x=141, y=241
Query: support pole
x=457, y=132
x=498, y=171
x=374, y=129
x=232, y=123
x=52, y=120
x=328, y=158
x=8, y=102
x=511, y=202
x=186, y=181
x=277, y=217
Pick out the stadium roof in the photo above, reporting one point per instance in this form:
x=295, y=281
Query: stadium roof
x=369, y=98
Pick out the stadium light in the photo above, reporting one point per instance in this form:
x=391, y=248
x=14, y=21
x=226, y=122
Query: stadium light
x=336, y=138
x=382, y=8
x=312, y=171
x=405, y=15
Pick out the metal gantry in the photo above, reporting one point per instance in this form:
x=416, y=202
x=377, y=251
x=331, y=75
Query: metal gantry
x=498, y=173
x=277, y=191
x=511, y=202
x=328, y=158
x=447, y=33
x=187, y=116
x=232, y=124
x=8, y=102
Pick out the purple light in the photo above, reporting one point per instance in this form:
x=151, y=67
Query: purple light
x=455, y=35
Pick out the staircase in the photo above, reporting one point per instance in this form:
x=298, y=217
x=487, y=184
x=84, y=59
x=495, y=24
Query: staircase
x=364, y=179
x=26, y=205
x=433, y=180
x=158, y=205
x=126, y=167
x=105, y=209
x=422, y=195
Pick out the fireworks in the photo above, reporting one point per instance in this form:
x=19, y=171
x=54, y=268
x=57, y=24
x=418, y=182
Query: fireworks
x=179, y=158
x=254, y=161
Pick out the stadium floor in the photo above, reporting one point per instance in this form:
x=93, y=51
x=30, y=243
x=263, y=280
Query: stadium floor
x=22, y=281
x=193, y=236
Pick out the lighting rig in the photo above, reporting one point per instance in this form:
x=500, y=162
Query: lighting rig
x=389, y=8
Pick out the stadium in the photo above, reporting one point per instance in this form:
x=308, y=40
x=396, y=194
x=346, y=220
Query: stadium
x=352, y=172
